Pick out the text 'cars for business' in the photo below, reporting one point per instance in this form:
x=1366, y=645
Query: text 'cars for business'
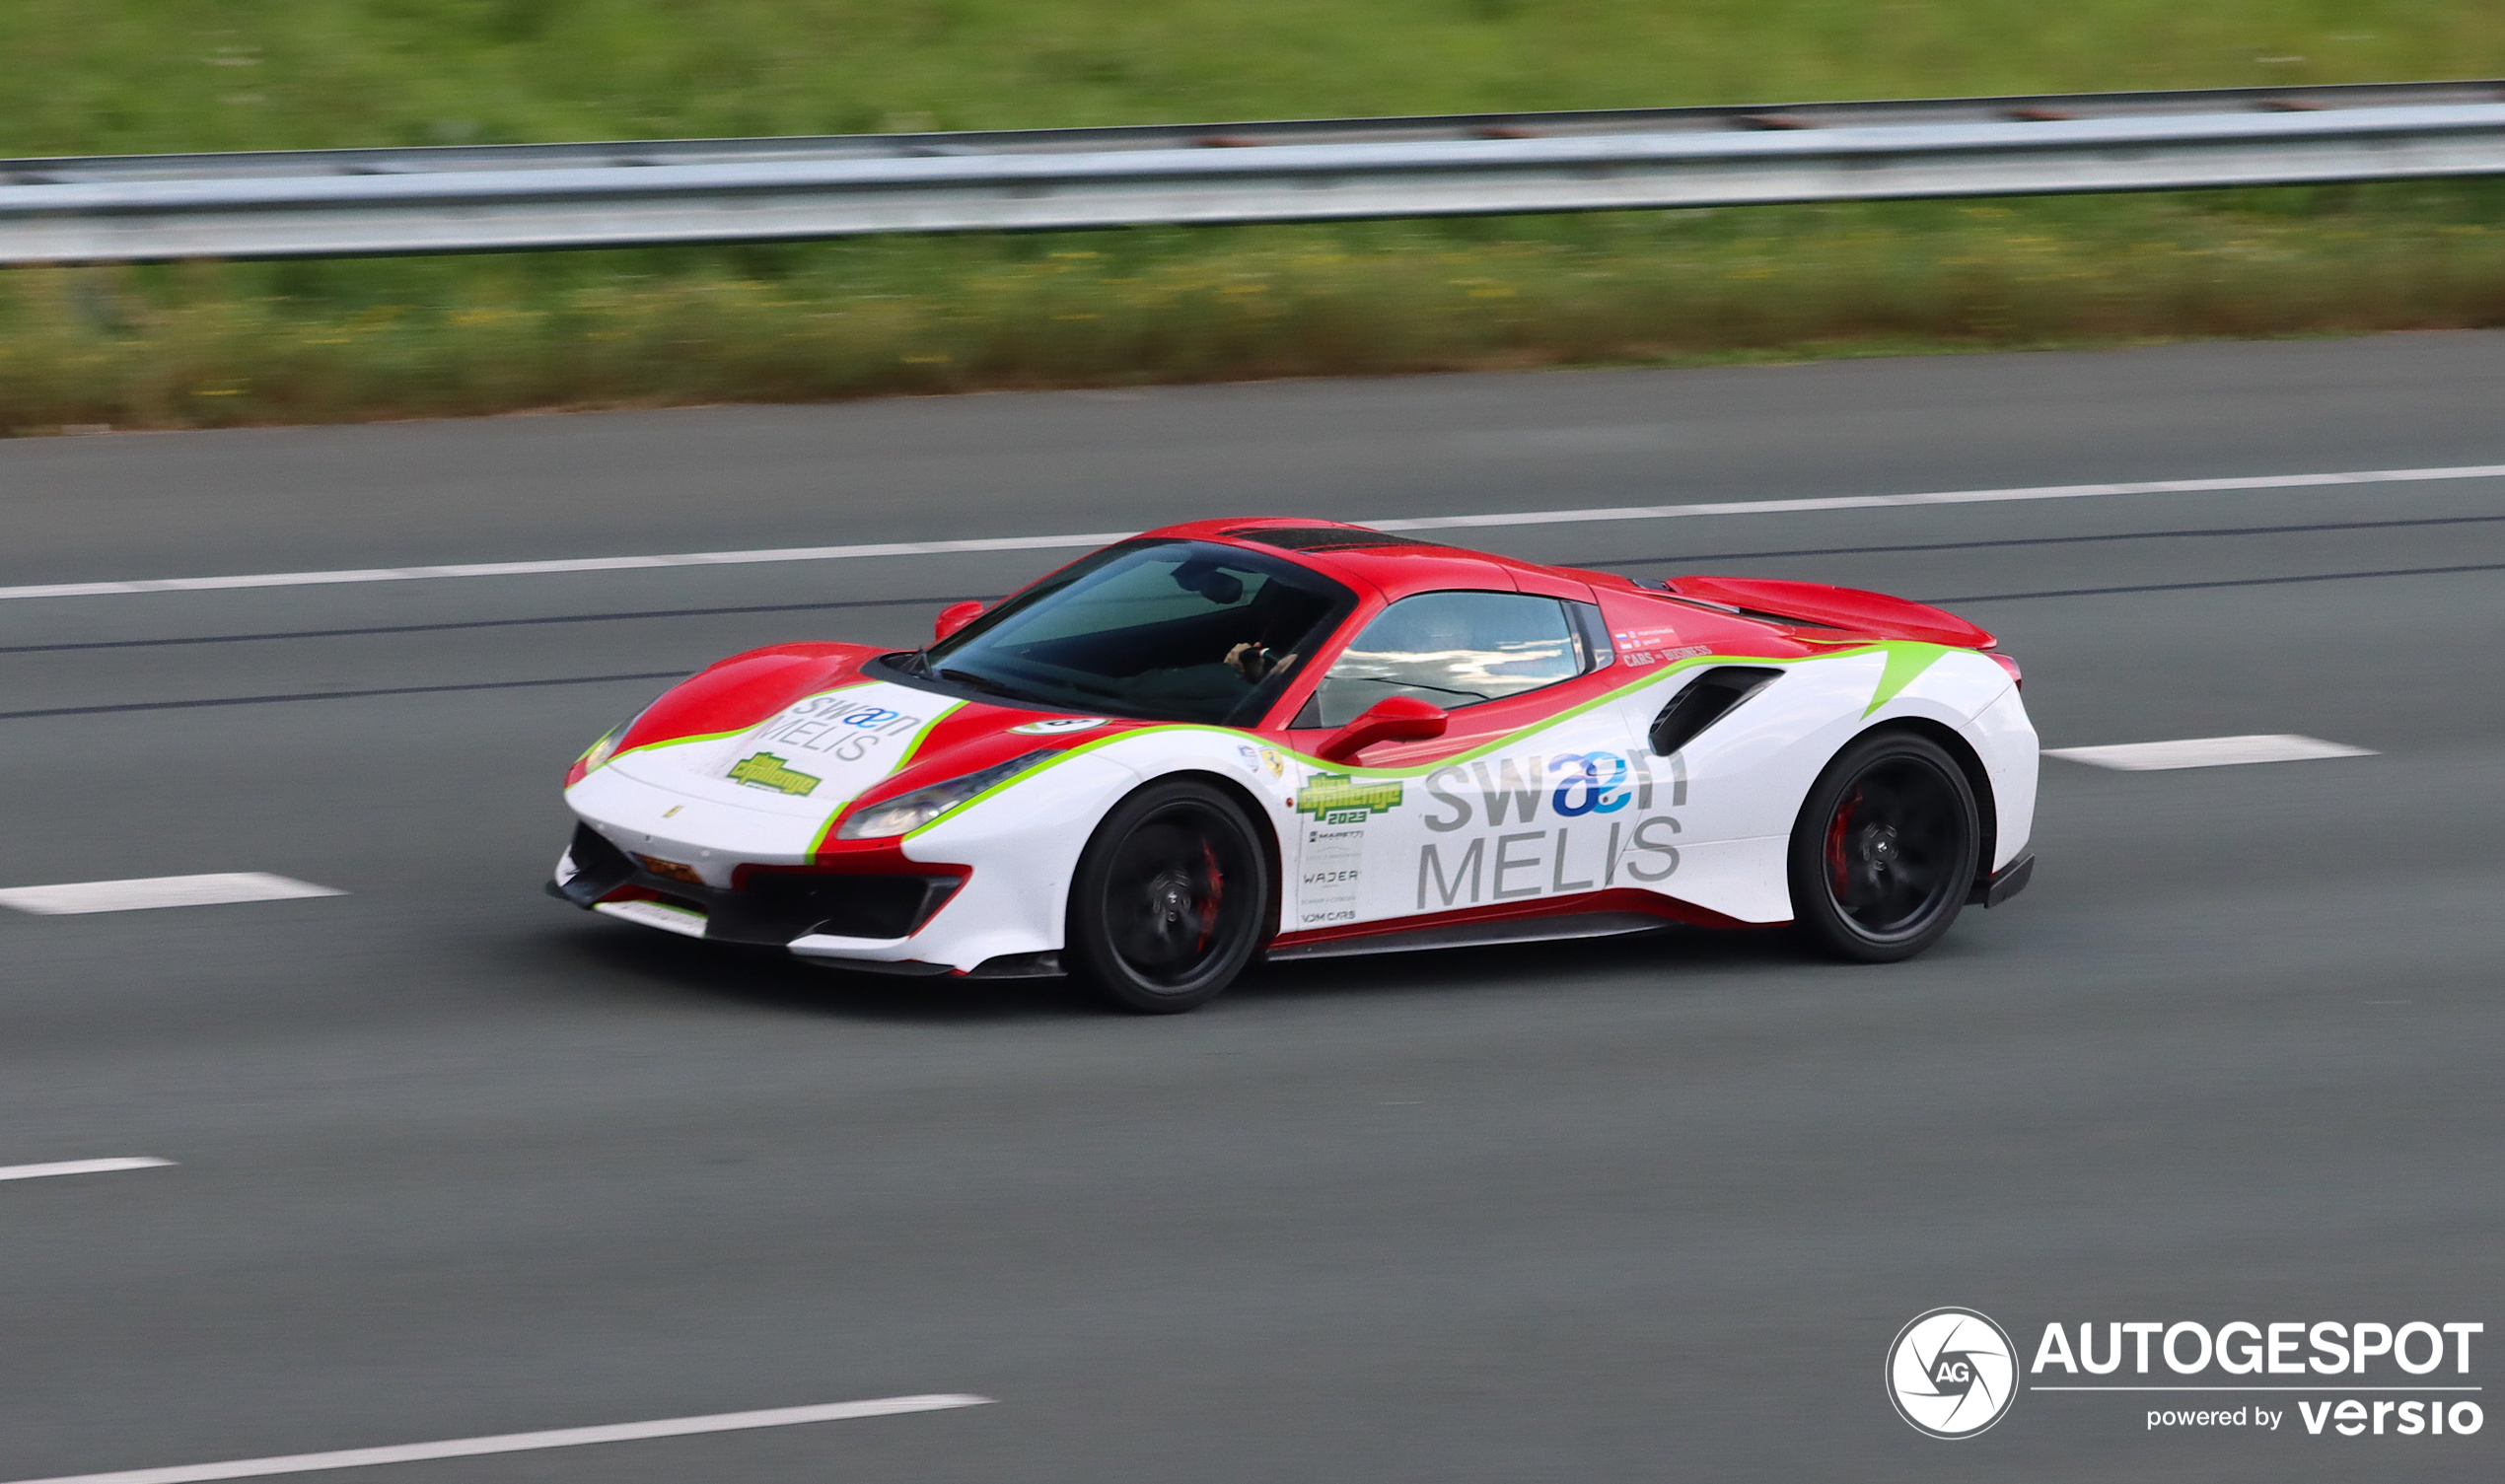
x=1302, y=739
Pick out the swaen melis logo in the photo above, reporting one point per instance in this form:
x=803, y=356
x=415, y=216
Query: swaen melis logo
x=1951, y=1372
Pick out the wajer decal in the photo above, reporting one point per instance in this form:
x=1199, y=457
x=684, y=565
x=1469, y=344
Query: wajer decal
x=1332, y=868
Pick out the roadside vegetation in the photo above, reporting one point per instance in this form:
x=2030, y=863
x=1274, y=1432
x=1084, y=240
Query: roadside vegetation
x=216, y=343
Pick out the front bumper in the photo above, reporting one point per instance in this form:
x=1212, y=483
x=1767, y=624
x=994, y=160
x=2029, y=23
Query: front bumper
x=771, y=907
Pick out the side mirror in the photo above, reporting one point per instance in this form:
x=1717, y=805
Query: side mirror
x=1394, y=718
x=954, y=617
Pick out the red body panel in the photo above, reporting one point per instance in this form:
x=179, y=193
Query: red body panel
x=1614, y=899
x=1873, y=613
x=743, y=691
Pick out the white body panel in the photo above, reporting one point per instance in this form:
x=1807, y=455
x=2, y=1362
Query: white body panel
x=1024, y=846
x=2006, y=741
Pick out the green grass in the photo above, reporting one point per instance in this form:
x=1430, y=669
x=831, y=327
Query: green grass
x=215, y=343
x=96, y=76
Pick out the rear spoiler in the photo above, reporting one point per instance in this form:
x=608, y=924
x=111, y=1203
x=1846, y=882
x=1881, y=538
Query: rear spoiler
x=1833, y=607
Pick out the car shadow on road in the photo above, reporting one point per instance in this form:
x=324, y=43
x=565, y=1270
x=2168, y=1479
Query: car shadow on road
x=1671, y=953
x=608, y=960
x=639, y=963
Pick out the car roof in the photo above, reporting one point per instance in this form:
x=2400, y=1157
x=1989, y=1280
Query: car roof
x=1399, y=566
x=1393, y=564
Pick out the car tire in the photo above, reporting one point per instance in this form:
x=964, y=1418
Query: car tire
x=1884, y=853
x=1171, y=899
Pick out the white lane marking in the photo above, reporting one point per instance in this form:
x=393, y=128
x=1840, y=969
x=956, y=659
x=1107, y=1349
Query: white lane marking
x=80, y=1166
x=1944, y=497
x=2209, y=753
x=1101, y=537
x=516, y=1442
x=159, y=891
x=567, y=564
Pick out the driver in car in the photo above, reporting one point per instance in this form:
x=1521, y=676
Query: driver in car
x=1254, y=659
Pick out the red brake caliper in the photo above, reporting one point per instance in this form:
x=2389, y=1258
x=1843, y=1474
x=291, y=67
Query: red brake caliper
x=1842, y=822
x=1217, y=894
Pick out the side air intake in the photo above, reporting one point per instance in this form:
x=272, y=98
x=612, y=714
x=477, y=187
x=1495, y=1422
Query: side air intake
x=1707, y=699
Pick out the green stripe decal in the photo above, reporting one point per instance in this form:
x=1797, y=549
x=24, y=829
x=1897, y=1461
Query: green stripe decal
x=1906, y=660
x=678, y=741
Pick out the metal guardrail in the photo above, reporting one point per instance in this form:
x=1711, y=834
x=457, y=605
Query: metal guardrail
x=342, y=203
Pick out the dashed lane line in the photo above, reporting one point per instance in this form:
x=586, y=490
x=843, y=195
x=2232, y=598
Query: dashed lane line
x=517, y=1443
x=80, y=1166
x=2209, y=753
x=1422, y=523
x=213, y=890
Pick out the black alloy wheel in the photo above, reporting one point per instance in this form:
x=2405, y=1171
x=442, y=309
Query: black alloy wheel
x=1884, y=850
x=1170, y=900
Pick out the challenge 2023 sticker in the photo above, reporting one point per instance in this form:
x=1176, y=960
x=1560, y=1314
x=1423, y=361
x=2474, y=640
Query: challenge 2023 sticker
x=1331, y=865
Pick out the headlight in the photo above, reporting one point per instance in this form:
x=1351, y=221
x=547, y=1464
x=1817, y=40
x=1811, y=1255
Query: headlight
x=906, y=812
x=607, y=747
x=604, y=749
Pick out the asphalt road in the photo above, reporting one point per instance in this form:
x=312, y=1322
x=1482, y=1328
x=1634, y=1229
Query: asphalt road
x=455, y=1160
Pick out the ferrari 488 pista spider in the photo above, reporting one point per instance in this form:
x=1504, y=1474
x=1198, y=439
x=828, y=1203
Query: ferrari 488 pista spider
x=1301, y=739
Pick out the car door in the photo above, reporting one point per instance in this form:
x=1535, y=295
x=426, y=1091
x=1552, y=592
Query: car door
x=1525, y=797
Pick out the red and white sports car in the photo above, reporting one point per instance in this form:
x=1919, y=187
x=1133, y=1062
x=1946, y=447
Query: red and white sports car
x=1306, y=739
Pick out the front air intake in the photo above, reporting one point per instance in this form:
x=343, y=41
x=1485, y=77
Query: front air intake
x=1707, y=699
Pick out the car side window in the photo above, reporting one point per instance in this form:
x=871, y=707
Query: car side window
x=1454, y=649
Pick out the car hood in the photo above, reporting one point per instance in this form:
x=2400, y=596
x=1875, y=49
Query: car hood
x=806, y=734
x=811, y=755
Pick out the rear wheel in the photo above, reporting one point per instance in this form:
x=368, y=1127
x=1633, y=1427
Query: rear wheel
x=1884, y=853
x=1170, y=900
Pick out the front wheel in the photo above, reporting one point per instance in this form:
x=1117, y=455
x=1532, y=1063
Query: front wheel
x=1884, y=853
x=1169, y=900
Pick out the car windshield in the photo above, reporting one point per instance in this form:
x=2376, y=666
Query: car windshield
x=1184, y=631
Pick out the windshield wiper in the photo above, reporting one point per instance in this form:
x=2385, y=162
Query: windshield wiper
x=967, y=678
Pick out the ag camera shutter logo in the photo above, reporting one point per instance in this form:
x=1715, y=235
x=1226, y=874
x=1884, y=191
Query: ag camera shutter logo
x=1951, y=1372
